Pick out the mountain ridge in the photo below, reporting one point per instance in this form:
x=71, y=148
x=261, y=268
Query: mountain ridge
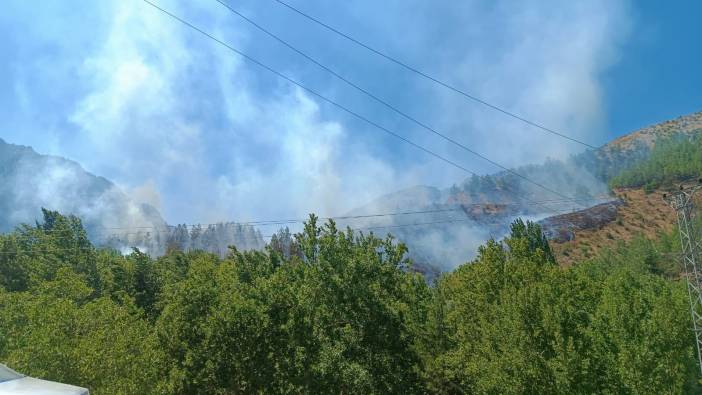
x=461, y=218
x=30, y=181
x=584, y=177
x=648, y=135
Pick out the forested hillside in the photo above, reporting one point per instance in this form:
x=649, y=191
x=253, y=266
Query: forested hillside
x=455, y=221
x=674, y=160
x=214, y=238
x=333, y=311
x=582, y=181
x=677, y=158
x=350, y=197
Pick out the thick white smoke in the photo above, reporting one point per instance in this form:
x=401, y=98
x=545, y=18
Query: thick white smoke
x=176, y=120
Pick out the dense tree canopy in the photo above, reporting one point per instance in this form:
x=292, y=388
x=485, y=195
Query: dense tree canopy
x=333, y=311
x=679, y=157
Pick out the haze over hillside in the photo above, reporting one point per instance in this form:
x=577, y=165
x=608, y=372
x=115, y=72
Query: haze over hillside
x=463, y=222
x=442, y=227
x=30, y=181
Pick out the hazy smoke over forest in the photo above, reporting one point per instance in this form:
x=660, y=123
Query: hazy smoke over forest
x=242, y=145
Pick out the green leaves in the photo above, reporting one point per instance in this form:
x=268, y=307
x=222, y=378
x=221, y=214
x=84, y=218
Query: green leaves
x=513, y=322
x=337, y=318
x=53, y=331
x=333, y=311
x=676, y=158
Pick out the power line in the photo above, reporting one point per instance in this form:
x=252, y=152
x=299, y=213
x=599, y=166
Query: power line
x=78, y=248
x=45, y=250
x=370, y=228
x=324, y=98
x=160, y=230
x=390, y=106
x=244, y=237
x=434, y=79
x=297, y=221
x=28, y=238
x=461, y=207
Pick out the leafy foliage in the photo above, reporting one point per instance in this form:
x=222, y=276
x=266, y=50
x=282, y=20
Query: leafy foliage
x=513, y=322
x=671, y=160
x=332, y=311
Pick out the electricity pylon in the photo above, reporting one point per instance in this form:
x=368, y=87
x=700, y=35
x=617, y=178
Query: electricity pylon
x=682, y=203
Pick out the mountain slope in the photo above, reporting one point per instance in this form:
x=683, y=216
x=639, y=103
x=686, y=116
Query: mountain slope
x=648, y=136
x=673, y=160
x=30, y=181
x=639, y=214
x=455, y=221
x=583, y=178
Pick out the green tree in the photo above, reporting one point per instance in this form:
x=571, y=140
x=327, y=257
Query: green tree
x=337, y=319
x=57, y=331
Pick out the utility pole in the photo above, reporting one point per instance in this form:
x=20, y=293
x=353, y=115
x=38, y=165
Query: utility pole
x=682, y=202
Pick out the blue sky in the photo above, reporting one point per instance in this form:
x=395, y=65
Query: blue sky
x=183, y=124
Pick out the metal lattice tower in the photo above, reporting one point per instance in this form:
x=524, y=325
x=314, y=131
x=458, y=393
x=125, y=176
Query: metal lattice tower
x=682, y=202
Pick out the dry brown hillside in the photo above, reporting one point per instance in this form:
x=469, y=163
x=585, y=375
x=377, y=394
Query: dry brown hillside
x=647, y=136
x=639, y=214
